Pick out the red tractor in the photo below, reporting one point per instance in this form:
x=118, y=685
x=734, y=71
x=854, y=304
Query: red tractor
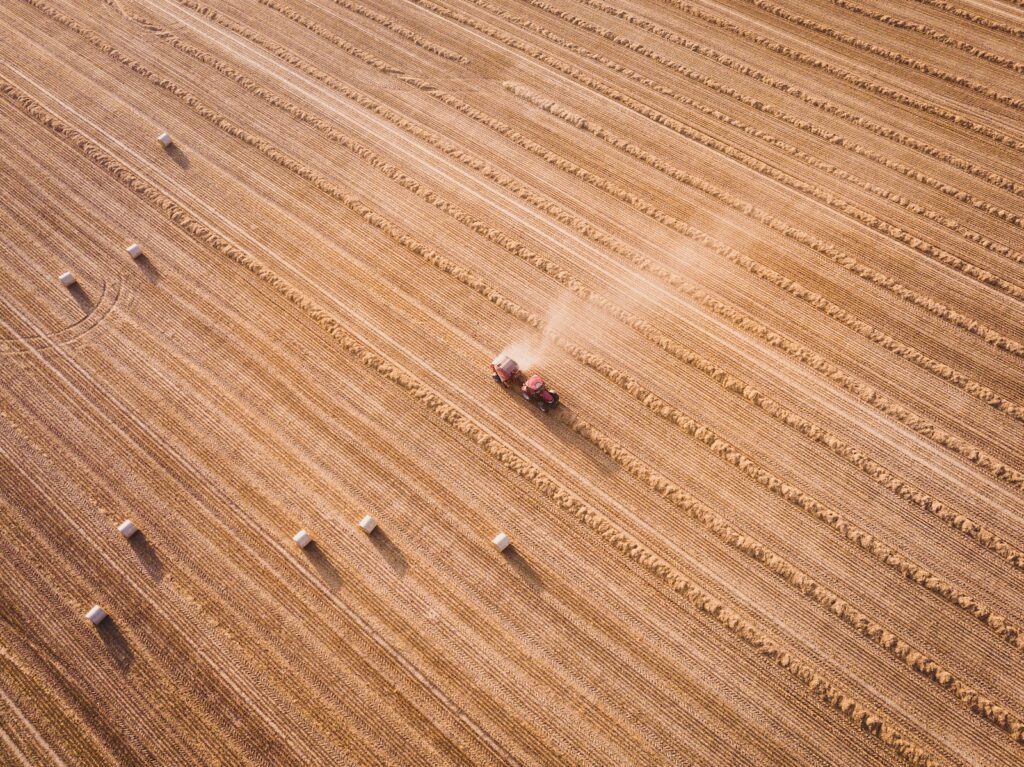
x=507, y=373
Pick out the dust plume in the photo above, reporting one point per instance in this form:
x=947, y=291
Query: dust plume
x=532, y=351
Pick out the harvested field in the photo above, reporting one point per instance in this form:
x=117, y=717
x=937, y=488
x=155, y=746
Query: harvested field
x=771, y=256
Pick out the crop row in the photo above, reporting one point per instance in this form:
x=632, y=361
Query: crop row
x=870, y=221
x=935, y=34
x=975, y=18
x=865, y=393
x=937, y=308
x=402, y=31
x=859, y=81
x=703, y=433
x=823, y=104
x=619, y=539
x=900, y=58
x=865, y=218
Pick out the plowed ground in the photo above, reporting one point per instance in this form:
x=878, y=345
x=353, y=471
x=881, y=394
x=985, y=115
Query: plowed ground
x=771, y=256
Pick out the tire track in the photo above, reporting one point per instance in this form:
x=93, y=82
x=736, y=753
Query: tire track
x=970, y=452
x=807, y=675
x=110, y=294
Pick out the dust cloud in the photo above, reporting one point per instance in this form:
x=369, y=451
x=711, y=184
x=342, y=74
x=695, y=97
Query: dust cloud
x=533, y=350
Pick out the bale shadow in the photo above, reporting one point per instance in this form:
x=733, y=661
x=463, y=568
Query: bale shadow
x=147, y=555
x=323, y=565
x=178, y=156
x=148, y=269
x=529, y=575
x=81, y=297
x=116, y=644
x=391, y=553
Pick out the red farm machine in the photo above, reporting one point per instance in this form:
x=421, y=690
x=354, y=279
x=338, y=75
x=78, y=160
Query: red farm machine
x=506, y=371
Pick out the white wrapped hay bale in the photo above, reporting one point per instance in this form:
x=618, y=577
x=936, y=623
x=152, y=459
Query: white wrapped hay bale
x=302, y=538
x=67, y=279
x=127, y=528
x=96, y=615
x=134, y=250
x=501, y=541
x=368, y=524
x=165, y=139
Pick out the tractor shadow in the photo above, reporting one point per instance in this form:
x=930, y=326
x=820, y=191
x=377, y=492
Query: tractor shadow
x=558, y=423
x=525, y=570
x=148, y=269
x=81, y=297
x=390, y=552
x=116, y=644
x=179, y=157
x=147, y=555
x=328, y=572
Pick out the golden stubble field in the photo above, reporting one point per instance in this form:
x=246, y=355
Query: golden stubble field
x=770, y=255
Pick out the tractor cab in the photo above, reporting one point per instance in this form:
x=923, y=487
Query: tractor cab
x=535, y=390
